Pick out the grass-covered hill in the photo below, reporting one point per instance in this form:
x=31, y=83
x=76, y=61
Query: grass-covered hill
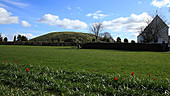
x=65, y=37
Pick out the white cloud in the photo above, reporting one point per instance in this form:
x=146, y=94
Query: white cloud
x=79, y=8
x=71, y=24
x=99, y=11
x=88, y=15
x=17, y=4
x=3, y=5
x=159, y=4
x=69, y=8
x=8, y=29
x=135, y=34
x=11, y=35
x=5, y=17
x=3, y=35
x=48, y=19
x=127, y=24
x=28, y=35
x=96, y=15
x=25, y=24
x=52, y=20
x=139, y=2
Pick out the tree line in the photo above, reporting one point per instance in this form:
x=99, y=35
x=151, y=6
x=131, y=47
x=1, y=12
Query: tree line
x=104, y=37
x=152, y=33
x=18, y=38
x=97, y=28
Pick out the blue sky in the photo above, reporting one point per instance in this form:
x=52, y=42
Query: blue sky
x=121, y=18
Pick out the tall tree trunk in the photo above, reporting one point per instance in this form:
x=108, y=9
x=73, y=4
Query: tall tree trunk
x=96, y=38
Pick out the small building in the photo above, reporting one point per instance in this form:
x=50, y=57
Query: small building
x=156, y=25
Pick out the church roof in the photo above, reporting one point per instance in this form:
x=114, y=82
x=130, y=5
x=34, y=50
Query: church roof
x=156, y=19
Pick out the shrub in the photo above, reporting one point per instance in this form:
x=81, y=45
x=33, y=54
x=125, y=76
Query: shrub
x=125, y=40
x=93, y=40
x=14, y=39
x=24, y=38
x=132, y=41
x=5, y=39
x=118, y=40
x=1, y=39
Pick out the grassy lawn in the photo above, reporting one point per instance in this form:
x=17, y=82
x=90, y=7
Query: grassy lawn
x=99, y=61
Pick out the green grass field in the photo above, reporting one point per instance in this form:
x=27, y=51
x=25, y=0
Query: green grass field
x=99, y=61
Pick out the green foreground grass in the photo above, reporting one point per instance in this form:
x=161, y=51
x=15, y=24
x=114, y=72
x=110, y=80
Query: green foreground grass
x=44, y=81
x=99, y=61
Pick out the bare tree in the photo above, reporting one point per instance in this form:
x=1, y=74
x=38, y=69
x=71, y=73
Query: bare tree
x=106, y=36
x=146, y=35
x=96, y=29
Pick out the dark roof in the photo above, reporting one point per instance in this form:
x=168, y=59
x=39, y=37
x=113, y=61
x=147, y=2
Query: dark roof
x=157, y=17
x=139, y=35
x=161, y=20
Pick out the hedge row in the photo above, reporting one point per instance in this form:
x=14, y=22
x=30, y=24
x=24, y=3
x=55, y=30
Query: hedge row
x=40, y=43
x=114, y=46
x=127, y=46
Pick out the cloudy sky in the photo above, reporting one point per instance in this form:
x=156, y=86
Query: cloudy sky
x=121, y=18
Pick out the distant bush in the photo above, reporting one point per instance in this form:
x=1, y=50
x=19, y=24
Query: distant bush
x=14, y=39
x=125, y=40
x=5, y=39
x=93, y=40
x=24, y=38
x=19, y=37
x=1, y=39
x=118, y=40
